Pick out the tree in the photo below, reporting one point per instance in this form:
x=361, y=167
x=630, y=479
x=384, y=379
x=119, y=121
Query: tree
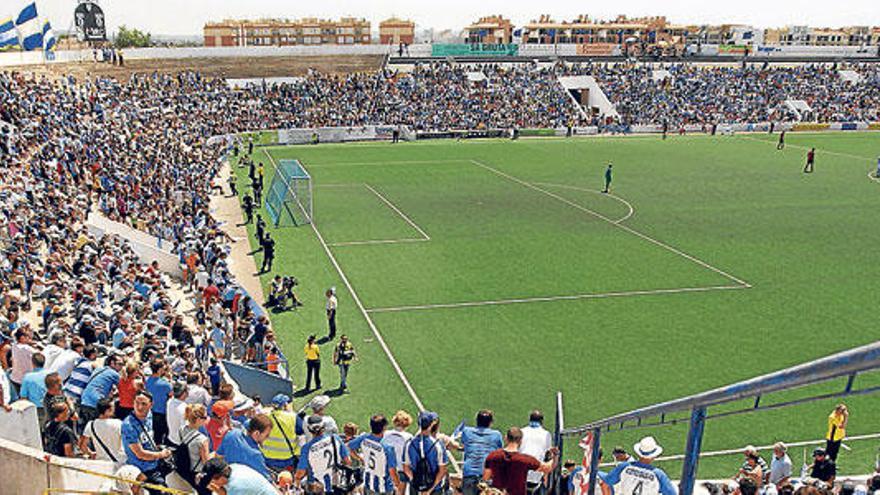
x=128, y=38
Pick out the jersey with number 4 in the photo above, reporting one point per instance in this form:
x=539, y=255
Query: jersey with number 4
x=635, y=478
x=379, y=459
x=319, y=458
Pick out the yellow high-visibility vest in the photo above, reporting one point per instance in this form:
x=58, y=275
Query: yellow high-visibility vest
x=275, y=447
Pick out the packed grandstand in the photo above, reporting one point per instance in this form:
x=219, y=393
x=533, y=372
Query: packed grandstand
x=86, y=317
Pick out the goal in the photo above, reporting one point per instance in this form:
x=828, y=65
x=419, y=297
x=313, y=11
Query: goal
x=289, y=197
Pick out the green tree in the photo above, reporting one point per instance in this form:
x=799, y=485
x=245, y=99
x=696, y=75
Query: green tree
x=128, y=38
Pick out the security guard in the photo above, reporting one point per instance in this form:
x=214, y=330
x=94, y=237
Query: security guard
x=281, y=449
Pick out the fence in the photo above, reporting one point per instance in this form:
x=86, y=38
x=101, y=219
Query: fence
x=847, y=364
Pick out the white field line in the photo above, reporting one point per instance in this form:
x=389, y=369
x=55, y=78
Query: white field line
x=377, y=241
x=395, y=162
x=402, y=215
x=425, y=237
x=612, y=222
x=339, y=185
x=575, y=188
x=360, y=306
x=596, y=295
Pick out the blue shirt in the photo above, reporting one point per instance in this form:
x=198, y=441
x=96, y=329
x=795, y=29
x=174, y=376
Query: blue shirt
x=33, y=386
x=214, y=375
x=478, y=443
x=140, y=432
x=118, y=337
x=379, y=460
x=160, y=389
x=245, y=481
x=316, y=459
x=435, y=453
x=238, y=447
x=99, y=386
x=641, y=473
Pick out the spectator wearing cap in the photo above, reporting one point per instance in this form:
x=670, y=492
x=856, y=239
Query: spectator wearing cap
x=100, y=385
x=313, y=462
x=823, y=468
x=159, y=387
x=536, y=442
x=478, y=442
x=508, y=469
x=233, y=479
x=176, y=412
x=33, y=386
x=141, y=450
x=318, y=405
x=426, y=446
x=641, y=472
x=219, y=423
x=780, y=466
x=243, y=447
x=378, y=459
x=243, y=410
x=282, y=448
x=102, y=437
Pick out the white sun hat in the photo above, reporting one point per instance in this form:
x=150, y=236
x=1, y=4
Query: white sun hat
x=648, y=448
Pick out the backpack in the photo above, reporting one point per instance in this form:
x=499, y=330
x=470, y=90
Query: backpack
x=423, y=475
x=181, y=459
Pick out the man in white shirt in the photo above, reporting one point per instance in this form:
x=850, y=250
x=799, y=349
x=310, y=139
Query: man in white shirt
x=536, y=441
x=67, y=360
x=57, y=345
x=780, y=466
x=105, y=435
x=331, y=313
x=176, y=412
x=196, y=393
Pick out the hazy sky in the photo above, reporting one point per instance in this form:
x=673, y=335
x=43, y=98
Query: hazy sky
x=186, y=17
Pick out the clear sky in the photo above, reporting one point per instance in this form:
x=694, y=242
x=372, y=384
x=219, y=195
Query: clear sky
x=186, y=17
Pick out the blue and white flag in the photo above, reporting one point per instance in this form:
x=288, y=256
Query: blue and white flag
x=30, y=31
x=49, y=40
x=8, y=35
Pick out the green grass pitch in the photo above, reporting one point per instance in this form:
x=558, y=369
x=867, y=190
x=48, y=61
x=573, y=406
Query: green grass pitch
x=498, y=274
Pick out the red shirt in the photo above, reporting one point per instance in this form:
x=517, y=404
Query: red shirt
x=211, y=293
x=127, y=391
x=510, y=470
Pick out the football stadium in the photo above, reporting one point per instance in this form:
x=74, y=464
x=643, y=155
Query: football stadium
x=624, y=255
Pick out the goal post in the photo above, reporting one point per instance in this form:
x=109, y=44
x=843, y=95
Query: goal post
x=289, y=197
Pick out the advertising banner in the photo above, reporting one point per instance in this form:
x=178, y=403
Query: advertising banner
x=475, y=50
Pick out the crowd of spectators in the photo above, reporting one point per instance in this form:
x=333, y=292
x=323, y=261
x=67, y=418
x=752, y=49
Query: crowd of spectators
x=94, y=337
x=689, y=94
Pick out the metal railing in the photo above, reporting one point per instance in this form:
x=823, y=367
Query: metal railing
x=847, y=364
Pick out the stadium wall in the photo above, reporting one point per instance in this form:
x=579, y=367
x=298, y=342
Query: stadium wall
x=66, y=56
x=147, y=247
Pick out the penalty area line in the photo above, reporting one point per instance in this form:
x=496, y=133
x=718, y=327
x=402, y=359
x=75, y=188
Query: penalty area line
x=571, y=297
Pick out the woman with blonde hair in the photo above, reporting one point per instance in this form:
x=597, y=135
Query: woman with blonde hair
x=837, y=421
x=195, y=441
x=398, y=438
x=131, y=380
